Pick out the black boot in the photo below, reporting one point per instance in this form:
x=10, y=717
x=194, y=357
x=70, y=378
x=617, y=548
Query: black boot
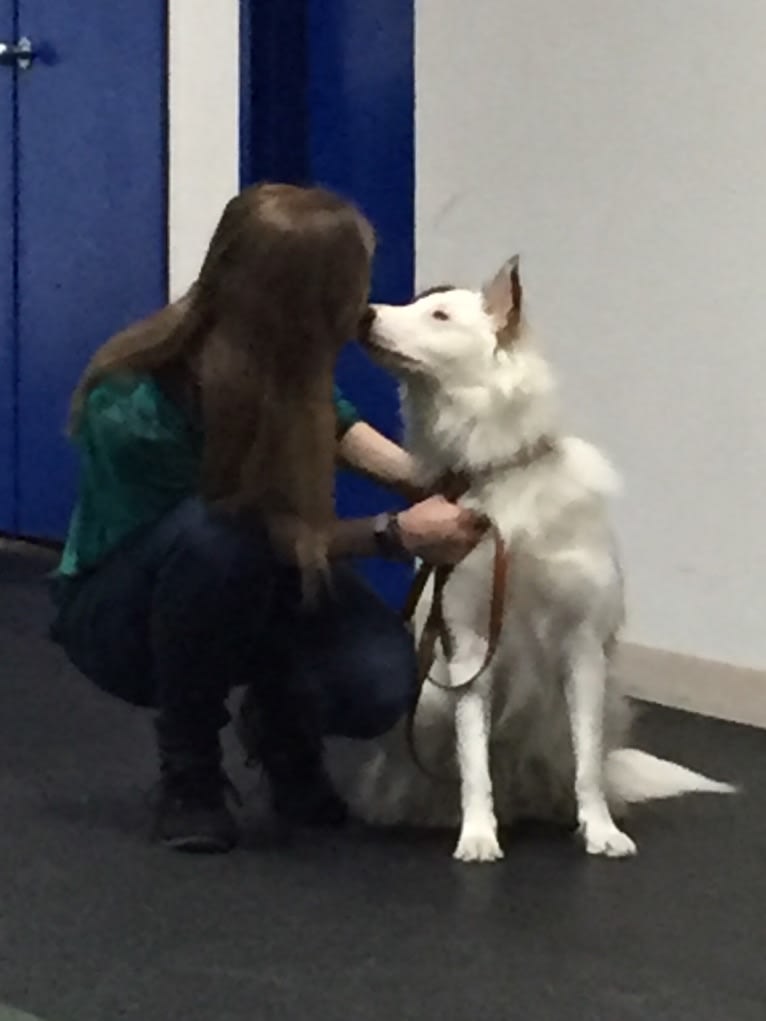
x=289, y=747
x=192, y=813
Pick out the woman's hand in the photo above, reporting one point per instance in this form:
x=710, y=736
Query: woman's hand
x=440, y=532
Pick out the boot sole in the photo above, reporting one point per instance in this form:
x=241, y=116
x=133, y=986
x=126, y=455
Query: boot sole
x=199, y=845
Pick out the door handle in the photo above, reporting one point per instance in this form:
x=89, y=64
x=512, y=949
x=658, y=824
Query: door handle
x=18, y=54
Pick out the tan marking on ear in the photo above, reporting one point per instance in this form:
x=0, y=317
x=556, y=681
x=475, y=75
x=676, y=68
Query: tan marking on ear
x=503, y=300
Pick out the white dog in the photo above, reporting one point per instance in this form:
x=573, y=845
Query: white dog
x=540, y=733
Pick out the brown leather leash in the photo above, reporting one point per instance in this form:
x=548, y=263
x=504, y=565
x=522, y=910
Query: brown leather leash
x=453, y=486
x=436, y=628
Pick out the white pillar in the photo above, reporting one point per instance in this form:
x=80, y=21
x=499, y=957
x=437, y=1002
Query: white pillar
x=203, y=129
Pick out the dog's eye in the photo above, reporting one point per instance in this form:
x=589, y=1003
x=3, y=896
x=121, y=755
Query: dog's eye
x=440, y=314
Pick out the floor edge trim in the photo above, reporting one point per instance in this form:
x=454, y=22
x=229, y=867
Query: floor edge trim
x=703, y=686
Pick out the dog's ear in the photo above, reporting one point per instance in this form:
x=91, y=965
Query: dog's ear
x=502, y=298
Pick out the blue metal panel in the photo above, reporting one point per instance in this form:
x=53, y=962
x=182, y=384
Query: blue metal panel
x=273, y=125
x=92, y=216
x=7, y=289
x=361, y=120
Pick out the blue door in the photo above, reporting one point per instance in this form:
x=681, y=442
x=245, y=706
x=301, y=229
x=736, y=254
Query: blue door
x=90, y=226
x=361, y=141
x=7, y=332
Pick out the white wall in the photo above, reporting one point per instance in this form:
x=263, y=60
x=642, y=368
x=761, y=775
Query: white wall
x=203, y=129
x=621, y=146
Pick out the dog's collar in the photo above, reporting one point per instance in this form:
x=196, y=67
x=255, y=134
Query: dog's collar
x=457, y=482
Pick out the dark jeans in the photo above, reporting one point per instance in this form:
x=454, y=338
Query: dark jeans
x=197, y=604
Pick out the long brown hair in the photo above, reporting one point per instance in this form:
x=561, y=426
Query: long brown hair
x=282, y=287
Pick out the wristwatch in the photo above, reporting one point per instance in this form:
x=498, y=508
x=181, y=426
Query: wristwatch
x=388, y=537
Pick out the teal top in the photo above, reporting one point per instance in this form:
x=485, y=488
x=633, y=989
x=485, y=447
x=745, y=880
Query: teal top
x=140, y=455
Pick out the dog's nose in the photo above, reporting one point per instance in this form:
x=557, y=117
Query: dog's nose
x=365, y=323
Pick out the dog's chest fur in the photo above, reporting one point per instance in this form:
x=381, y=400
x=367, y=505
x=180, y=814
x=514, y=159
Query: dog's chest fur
x=553, y=516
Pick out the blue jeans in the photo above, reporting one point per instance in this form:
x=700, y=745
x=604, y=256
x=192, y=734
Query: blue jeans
x=198, y=604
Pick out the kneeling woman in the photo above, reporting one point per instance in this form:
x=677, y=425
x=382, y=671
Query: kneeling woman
x=204, y=552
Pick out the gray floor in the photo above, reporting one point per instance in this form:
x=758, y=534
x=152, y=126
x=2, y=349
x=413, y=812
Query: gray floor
x=96, y=924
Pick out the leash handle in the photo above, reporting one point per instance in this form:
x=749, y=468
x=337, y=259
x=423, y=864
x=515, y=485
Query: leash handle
x=500, y=573
x=453, y=485
x=436, y=627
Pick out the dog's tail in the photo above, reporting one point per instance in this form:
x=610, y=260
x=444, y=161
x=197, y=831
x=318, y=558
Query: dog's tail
x=633, y=776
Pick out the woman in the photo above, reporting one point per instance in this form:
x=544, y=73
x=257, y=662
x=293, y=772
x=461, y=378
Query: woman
x=204, y=552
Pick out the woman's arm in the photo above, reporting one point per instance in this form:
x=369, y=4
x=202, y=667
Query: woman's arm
x=369, y=453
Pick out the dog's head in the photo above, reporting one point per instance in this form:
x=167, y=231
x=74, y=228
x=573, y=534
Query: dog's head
x=474, y=390
x=449, y=332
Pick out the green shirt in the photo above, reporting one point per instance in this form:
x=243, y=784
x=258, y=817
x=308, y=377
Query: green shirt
x=140, y=455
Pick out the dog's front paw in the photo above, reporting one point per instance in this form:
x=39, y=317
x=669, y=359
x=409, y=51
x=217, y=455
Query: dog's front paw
x=478, y=846
x=604, y=838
